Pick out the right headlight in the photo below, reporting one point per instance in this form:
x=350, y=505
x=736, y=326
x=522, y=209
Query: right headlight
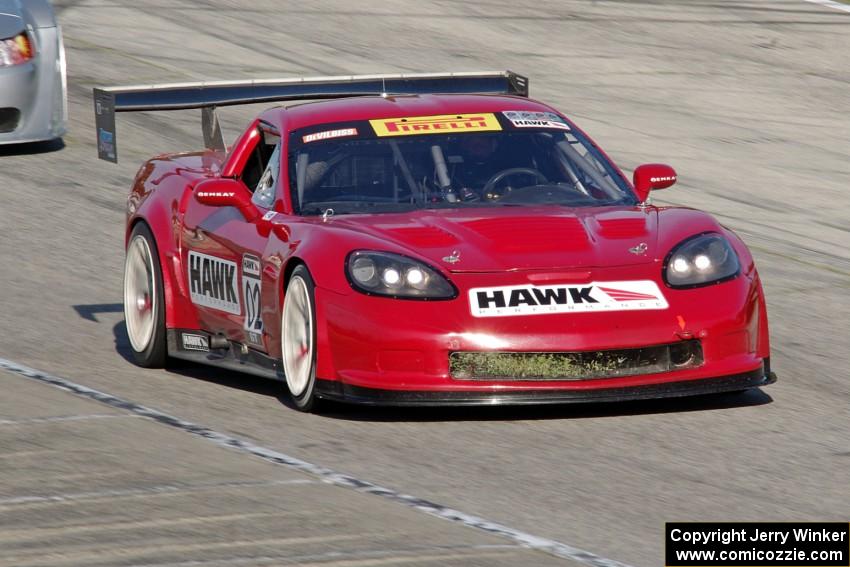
x=701, y=260
x=393, y=275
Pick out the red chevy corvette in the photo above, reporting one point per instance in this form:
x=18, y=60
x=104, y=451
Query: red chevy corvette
x=427, y=239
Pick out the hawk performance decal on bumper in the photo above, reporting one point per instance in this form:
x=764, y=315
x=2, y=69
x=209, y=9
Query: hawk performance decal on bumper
x=565, y=298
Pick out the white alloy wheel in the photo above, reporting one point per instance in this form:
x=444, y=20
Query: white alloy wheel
x=140, y=294
x=297, y=339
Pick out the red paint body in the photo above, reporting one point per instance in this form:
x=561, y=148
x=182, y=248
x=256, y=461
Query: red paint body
x=392, y=344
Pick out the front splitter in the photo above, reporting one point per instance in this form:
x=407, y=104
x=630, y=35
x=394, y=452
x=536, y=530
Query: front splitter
x=347, y=393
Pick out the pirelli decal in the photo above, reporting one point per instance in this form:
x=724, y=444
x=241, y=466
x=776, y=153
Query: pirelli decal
x=212, y=282
x=566, y=298
x=442, y=124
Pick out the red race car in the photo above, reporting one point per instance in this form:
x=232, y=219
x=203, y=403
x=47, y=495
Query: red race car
x=427, y=239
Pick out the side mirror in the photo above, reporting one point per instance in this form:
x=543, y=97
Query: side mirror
x=651, y=176
x=222, y=192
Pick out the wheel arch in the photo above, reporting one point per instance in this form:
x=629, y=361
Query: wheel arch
x=179, y=312
x=164, y=268
x=293, y=263
x=324, y=360
x=282, y=283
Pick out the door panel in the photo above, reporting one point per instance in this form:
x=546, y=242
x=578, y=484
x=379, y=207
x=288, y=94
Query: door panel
x=224, y=253
x=211, y=268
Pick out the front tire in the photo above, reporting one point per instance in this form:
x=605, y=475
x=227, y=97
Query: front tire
x=298, y=339
x=144, y=304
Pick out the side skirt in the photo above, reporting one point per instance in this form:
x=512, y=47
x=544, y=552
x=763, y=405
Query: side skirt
x=198, y=346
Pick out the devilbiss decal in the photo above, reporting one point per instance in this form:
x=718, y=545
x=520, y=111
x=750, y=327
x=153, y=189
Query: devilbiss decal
x=329, y=134
x=212, y=282
x=251, y=295
x=565, y=298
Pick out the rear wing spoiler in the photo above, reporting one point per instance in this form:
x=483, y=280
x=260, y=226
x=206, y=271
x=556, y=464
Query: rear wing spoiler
x=209, y=95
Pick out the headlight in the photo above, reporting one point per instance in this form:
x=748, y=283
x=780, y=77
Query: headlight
x=393, y=275
x=701, y=260
x=15, y=50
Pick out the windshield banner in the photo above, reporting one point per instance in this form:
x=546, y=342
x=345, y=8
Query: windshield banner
x=442, y=124
x=523, y=119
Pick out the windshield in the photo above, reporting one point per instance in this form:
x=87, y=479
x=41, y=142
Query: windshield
x=448, y=162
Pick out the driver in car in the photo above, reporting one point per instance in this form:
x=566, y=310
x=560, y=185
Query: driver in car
x=481, y=158
x=477, y=164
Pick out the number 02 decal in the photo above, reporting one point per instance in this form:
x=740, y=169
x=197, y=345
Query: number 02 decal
x=251, y=287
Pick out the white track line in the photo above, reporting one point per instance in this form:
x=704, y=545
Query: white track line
x=545, y=545
x=61, y=418
x=148, y=490
x=831, y=4
x=387, y=556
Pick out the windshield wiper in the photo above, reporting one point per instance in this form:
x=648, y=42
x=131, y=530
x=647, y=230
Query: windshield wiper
x=354, y=207
x=314, y=211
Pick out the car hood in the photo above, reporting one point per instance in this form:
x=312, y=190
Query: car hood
x=16, y=15
x=514, y=238
x=11, y=19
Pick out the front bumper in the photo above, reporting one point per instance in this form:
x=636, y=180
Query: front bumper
x=339, y=391
x=379, y=348
x=36, y=92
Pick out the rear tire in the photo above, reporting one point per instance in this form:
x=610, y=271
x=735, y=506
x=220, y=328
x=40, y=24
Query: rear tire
x=298, y=339
x=144, y=299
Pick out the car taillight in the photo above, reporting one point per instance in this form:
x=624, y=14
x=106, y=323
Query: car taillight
x=16, y=50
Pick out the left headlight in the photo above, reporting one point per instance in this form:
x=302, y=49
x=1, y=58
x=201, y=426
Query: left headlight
x=15, y=50
x=394, y=275
x=701, y=260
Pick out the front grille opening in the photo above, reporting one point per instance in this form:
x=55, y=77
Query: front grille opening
x=9, y=118
x=588, y=365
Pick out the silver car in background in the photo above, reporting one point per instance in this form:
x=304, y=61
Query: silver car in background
x=33, y=103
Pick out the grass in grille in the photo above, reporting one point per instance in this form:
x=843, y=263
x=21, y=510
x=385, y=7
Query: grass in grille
x=571, y=365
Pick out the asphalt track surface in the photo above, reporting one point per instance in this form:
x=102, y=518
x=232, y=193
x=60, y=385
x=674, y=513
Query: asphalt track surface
x=748, y=100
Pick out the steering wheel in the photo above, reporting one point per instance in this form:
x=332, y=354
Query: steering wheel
x=500, y=175
x=539, y=195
